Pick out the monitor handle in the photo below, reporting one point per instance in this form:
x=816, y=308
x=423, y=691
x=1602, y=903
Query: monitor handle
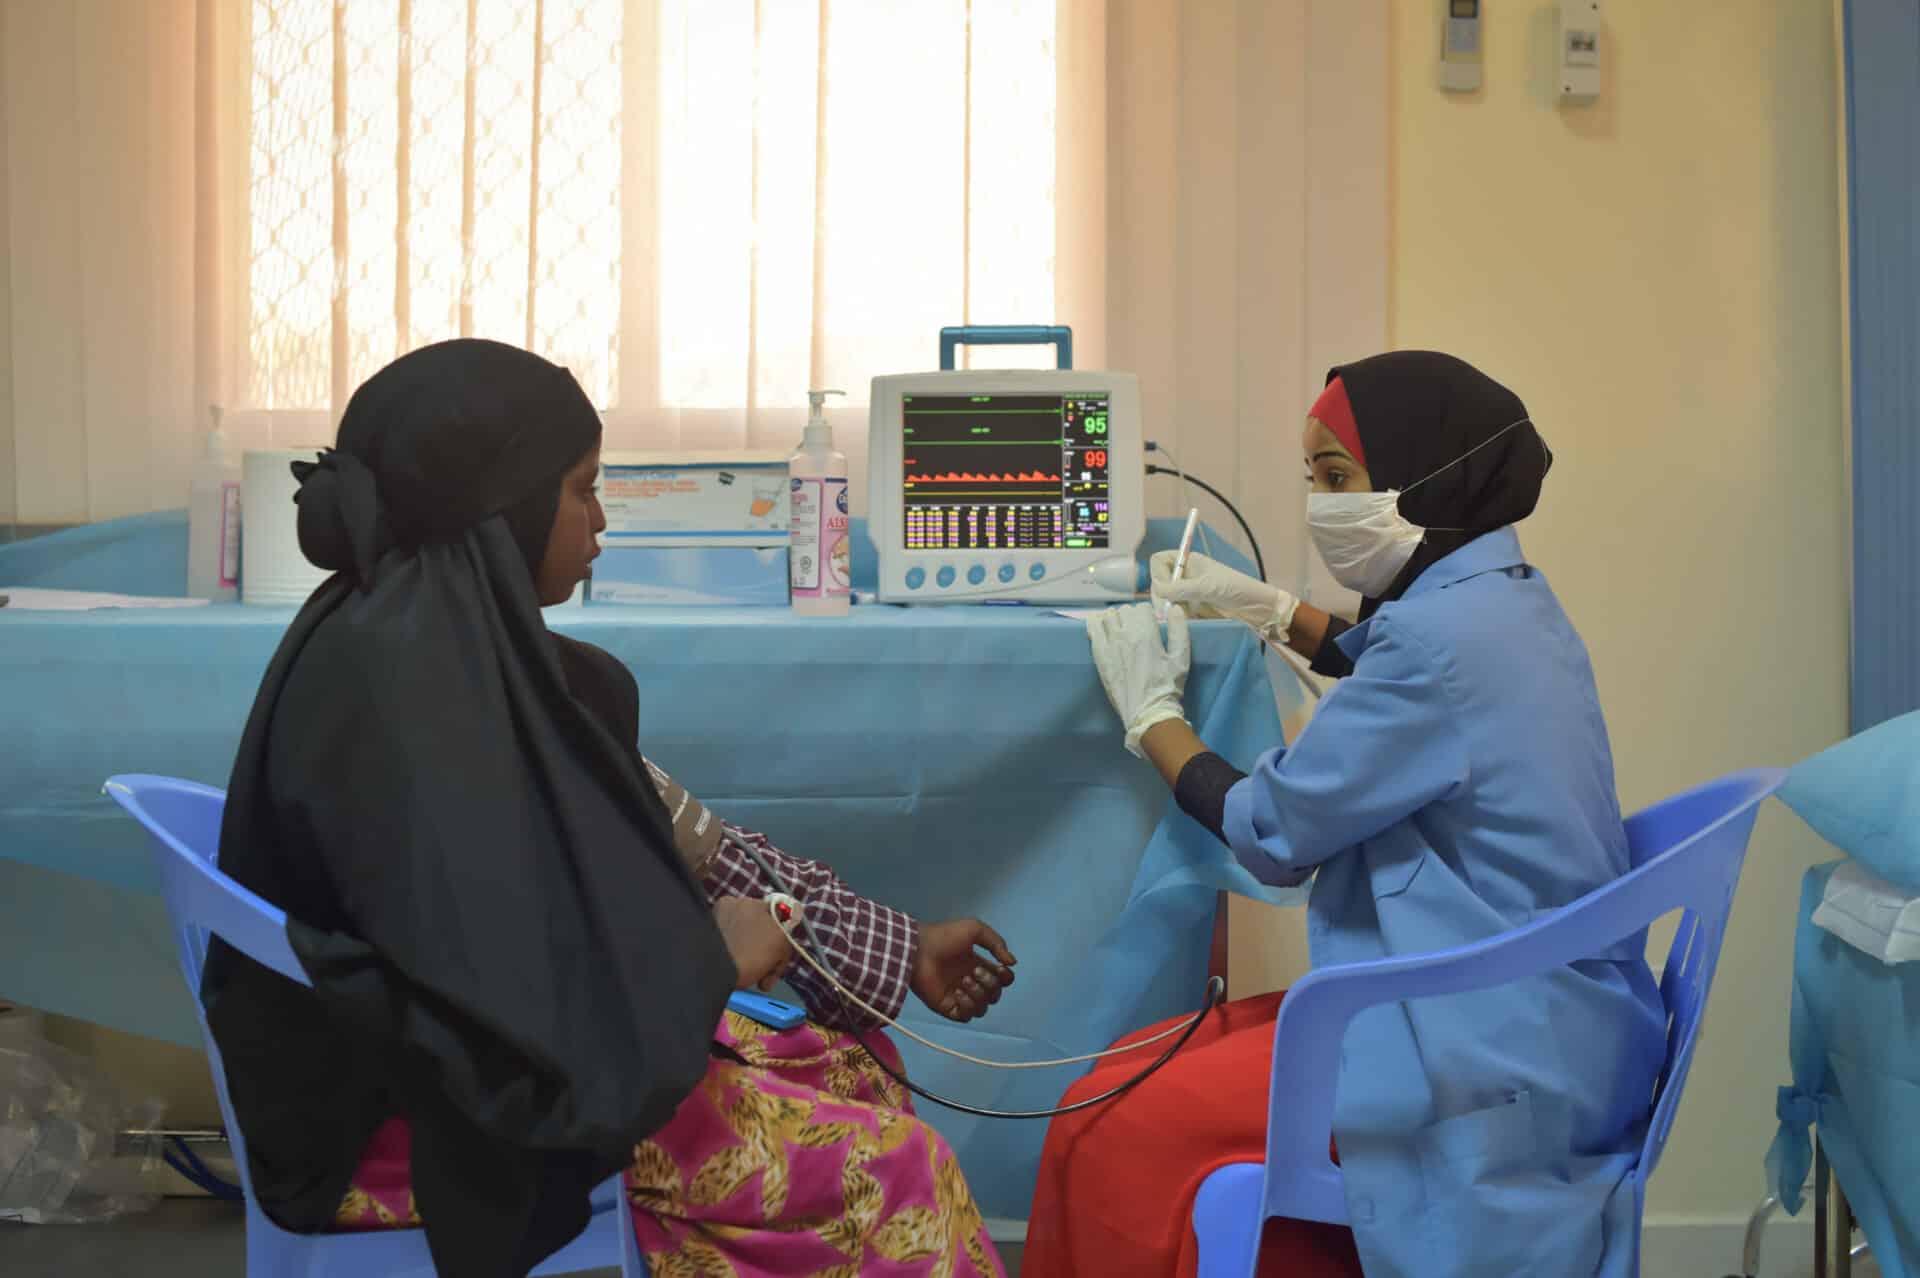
x=1058, y=336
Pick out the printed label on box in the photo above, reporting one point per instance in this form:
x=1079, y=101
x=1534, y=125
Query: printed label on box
x=743, y=502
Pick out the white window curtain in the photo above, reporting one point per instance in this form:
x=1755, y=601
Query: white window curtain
x=1246, y=238
x=702, y=206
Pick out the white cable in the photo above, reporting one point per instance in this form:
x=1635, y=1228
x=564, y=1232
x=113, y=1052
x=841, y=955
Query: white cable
x=794, y=911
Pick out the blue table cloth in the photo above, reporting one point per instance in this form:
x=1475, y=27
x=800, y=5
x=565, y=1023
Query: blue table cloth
x=948, y=761
x=1855, y=1051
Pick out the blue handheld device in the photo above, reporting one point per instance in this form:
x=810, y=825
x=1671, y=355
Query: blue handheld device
x=770, y=1012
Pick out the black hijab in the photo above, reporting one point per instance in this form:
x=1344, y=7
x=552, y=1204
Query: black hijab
x=1419, y=411
x=480, y=881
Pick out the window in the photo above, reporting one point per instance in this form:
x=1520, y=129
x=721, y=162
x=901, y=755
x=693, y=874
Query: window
x=696, y=205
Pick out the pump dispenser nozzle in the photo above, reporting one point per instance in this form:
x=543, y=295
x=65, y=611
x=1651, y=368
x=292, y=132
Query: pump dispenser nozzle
x=818, y=430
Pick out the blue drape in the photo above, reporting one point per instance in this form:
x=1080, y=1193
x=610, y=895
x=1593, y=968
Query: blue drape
x=1883, y=167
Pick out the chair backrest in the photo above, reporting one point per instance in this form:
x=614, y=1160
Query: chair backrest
x=1687, y=852
x=182, y=821
x=1710, y=826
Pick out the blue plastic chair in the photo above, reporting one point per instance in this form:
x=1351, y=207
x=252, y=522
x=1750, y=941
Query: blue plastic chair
x=182, y=820
x=1686, y=852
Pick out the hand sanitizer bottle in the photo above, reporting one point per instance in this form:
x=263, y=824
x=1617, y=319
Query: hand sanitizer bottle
x=213, y=521
x=818, y=546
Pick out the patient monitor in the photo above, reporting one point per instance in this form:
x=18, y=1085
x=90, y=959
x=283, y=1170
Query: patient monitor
x=1016, y=485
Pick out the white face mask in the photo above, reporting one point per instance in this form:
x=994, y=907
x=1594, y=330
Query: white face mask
x=1364, y=539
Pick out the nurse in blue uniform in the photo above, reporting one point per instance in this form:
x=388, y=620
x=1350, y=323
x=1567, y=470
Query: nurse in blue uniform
x=1455, y=784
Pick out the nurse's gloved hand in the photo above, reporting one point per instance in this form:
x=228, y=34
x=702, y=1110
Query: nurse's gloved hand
x=1144, y=677
x=1211, y=589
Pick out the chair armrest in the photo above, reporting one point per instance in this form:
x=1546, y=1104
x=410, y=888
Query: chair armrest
x=237, y=916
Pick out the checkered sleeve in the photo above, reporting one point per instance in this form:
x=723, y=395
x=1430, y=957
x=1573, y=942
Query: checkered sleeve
x=869, y=947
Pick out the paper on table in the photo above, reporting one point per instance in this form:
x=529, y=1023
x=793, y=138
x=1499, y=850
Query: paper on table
x=34, y=598
x=1081, y=614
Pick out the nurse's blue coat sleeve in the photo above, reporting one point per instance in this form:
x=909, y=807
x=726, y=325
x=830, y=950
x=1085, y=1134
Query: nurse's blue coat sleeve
x=1385, y=743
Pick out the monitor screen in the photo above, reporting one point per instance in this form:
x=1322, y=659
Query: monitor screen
x=1014, y=471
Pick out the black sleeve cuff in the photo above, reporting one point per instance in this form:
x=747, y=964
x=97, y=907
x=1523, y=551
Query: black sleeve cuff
x=1332, y=660
x=1201, y=790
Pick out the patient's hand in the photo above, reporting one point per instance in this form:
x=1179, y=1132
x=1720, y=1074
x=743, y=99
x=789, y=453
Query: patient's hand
x=758, y=946
x=952, y=977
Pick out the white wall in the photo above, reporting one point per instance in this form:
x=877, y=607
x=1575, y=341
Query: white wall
x=1659, y=276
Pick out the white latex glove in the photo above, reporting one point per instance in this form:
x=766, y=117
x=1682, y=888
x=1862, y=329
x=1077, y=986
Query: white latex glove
x=1144, y=677
x=1211, y=589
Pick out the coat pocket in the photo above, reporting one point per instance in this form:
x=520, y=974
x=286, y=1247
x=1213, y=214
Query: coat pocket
x=1481, y=1142
x=1471, y=1226
x=1503, y=1197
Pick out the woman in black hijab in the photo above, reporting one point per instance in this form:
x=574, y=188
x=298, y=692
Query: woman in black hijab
x=464, y=854
x=1455, y=785
x=515, y=965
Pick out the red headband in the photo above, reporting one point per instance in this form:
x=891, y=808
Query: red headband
x=1334, y=411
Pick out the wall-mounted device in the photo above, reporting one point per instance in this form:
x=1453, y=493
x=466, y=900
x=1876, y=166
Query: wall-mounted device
x=1460, y=46
x=1579, y=68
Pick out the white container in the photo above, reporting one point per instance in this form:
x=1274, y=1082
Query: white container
x=820, y=551
x=213, y=522
x=272, y=569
